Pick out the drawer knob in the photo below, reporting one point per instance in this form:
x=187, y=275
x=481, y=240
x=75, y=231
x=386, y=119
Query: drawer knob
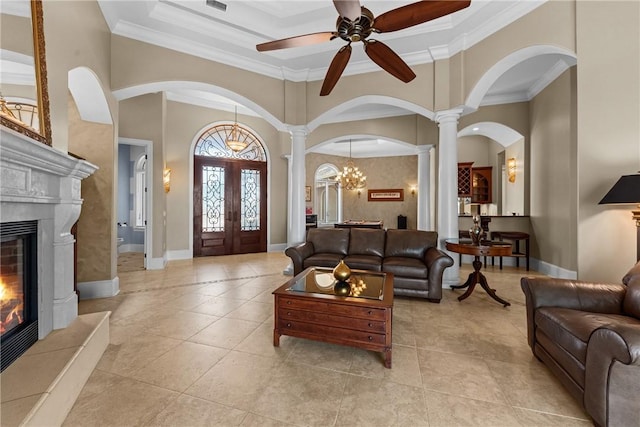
x=289, y=302
x=370, y=312
x=370, y=325
x=288, y=313
x=370, y=338
x=288, y=325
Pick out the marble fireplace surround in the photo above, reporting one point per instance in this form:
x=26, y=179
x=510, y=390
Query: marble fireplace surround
x=40, y=183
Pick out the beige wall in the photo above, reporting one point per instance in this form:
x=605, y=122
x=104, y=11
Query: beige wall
x=184, y=124
x=95, y=242
x=608, y=133
x=382, y=173
x=553, y=176
x=142, y=118
x=76, y=35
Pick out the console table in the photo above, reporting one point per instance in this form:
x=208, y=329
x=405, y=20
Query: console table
x=359, y=224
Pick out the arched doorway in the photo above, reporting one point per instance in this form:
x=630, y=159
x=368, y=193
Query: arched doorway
x=229, y=193
x=328, y=195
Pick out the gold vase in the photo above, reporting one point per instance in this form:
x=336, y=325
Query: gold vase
x=342, y=272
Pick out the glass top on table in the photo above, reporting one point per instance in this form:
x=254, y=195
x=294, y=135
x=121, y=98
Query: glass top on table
x=364, y=284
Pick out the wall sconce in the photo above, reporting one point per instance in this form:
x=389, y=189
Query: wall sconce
x=511, y=169
x=413, y=190
x=627, y=191
x=359, y=193
x=166, y=179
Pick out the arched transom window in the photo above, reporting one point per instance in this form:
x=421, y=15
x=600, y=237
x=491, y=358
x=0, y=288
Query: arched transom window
x=212, y=143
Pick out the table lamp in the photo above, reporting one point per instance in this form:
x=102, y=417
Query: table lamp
x=626, y=191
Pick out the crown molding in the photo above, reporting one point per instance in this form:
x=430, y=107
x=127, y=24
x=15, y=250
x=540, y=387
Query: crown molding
x=508, y=98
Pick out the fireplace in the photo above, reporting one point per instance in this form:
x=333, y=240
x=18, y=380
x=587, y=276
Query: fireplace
x=18, y=289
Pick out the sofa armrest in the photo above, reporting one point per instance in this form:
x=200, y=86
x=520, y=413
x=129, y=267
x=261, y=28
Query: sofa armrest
x=551, y=292
x=612, y=374
x=298, y=254
x=436, y=261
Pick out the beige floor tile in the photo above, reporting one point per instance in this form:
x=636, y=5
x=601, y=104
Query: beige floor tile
x=258, y=384
x=181, y=324
x=253, y=311
x=532, y=386
x=459, y=375
x=260, y=342
x=528, y=418
x=448, y=410
x=225, y=333
x=218, y=306
x=237, y=380
x=134, y=354
x=181, y=366
x=405, y=367
x=253, y=420
x=13, y=412
x=191, y=411
x=302, y=395
x=117, y=401
x=369, y=402
x=323, y=355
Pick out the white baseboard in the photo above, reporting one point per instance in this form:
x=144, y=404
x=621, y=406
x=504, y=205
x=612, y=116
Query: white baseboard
x=99, y=289
x=130, y=248
x=278, y=247
x=179, y=254
x=554, y=270
x=156, y=263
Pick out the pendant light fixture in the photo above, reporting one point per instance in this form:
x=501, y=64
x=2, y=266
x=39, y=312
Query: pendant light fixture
x=351, y=178
x=233, y=139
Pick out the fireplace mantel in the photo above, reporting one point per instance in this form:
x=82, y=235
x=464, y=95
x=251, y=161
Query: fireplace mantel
x=40, y=183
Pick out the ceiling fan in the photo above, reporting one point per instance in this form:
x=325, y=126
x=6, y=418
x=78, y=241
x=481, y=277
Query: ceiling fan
x=356, y=23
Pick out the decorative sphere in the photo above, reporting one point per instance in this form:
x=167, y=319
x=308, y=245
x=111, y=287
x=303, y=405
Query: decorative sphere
x=342, y=288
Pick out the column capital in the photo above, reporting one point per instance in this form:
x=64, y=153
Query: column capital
x=448, y=116
x=299, y=131
x=424, y=149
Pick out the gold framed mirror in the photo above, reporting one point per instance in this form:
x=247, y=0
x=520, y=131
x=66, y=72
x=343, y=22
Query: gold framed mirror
x=24, y=99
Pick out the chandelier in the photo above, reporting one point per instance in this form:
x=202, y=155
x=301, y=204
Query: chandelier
x=233, y=139
x=351, y=178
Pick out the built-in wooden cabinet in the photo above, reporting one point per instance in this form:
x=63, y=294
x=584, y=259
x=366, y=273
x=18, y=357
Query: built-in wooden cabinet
x=475, y=183
x=481, y=184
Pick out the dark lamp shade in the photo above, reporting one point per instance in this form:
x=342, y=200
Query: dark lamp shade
x=626, y=190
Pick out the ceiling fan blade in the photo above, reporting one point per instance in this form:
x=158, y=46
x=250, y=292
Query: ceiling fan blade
x=416, y=13
x=304, y=40
x=388, y=60
x=335, y=69
x=348, y=8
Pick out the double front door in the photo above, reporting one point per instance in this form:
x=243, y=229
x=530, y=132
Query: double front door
x=230, y=206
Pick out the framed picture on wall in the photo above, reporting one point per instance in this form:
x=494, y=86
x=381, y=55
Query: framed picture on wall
x=386, y=195
x=307, y=193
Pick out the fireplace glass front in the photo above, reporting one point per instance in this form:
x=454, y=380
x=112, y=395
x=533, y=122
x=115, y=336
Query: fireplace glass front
x=18, y=289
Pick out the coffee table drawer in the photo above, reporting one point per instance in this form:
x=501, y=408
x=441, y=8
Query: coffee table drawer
x=333, y=320
x=334, y=332
x=320, y=306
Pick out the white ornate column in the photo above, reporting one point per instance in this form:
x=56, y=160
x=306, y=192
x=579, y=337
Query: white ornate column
x=448, y=186
x=424, y=196
x=297, y=195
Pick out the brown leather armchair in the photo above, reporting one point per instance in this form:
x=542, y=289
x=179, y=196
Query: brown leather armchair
x=588, y=335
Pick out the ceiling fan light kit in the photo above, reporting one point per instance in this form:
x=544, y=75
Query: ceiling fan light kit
x=356, y=23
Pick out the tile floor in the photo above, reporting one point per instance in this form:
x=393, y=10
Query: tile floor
x=191, y=345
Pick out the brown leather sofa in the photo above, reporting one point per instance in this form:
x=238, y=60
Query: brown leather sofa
x=411, y=255
x=588, y=335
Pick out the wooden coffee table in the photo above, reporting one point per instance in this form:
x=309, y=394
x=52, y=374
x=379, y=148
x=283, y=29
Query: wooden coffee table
x=306, y=307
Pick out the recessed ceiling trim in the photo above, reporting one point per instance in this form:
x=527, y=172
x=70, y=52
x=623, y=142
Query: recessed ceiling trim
x=545, y=80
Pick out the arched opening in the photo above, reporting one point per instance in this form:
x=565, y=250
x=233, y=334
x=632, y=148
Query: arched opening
x=327, y=195
x=229, y=192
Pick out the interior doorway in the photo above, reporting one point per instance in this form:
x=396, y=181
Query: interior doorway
x=134, y=207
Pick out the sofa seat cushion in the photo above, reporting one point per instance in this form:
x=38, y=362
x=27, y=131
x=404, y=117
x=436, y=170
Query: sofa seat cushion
x=405, y=267
x=322, y=260
x=364, y=262
x=571, y=329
